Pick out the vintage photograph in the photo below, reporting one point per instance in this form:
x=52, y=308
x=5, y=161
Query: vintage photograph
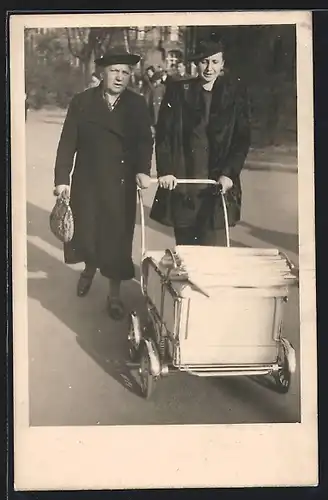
x=212, y=103
x=163, y=221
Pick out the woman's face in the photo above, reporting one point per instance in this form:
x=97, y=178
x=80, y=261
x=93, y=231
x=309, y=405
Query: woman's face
x=210, y=67
x=116, y=78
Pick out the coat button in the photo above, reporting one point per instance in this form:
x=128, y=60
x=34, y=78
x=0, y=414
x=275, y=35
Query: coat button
x=122, y=161
x=122, y=181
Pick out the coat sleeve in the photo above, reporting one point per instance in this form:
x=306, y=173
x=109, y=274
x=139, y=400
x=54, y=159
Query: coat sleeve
x=67, y=146
x=241, y=136
x=164, y=127
x=144, y=138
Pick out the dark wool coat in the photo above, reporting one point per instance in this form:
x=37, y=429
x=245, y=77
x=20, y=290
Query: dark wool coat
x=111, y=148
x=228, y=134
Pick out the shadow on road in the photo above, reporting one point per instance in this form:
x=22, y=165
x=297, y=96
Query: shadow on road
x=278, y=239
x=53, y=122
x=100, y=337
x=239, y=387
x=37, y=224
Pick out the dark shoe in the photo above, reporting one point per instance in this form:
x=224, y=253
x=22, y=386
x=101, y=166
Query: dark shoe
x=115, y=308
x=84, y=283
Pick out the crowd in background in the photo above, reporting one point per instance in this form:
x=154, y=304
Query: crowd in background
x=152, y=84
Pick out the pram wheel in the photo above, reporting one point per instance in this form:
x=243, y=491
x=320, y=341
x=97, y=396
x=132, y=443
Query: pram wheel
x=134, y=336
x=286, y=366
x=149, y=367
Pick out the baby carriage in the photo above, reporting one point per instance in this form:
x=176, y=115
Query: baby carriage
x=212, y=311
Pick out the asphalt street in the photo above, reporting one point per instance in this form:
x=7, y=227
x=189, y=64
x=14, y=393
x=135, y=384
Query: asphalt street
x=78, y=370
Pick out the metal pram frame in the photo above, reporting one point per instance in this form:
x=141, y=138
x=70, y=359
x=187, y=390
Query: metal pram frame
x=157, y=350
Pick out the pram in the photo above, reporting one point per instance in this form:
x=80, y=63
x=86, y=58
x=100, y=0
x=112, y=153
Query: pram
x=212, y=311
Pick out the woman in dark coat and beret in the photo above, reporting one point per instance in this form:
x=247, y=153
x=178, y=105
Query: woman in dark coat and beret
x=108, y=129
x=203, y=131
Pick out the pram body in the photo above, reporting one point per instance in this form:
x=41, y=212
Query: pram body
x=213, y=311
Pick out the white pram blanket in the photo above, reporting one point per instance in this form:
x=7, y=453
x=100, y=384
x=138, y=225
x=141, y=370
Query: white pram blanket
x=212, y=268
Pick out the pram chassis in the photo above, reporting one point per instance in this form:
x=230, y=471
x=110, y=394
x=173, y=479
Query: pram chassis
x=157, y=350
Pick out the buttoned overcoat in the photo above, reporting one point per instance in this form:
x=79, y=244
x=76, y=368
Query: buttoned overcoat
x=101, y=151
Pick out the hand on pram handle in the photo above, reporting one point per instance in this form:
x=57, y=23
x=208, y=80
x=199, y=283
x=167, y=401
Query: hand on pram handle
x=170, y=182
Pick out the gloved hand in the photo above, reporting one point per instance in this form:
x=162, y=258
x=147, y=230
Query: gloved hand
x=167, y=182
x=143, y=181
x=225, y=183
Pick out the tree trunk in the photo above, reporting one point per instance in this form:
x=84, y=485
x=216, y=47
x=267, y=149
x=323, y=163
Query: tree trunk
x=126, y=40
x=87, y=70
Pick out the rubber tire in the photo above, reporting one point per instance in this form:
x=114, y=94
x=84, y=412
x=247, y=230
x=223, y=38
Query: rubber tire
x=283, y=377
x=134, y=353
x=147, y=379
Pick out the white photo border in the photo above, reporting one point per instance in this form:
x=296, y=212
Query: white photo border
x=94, y=458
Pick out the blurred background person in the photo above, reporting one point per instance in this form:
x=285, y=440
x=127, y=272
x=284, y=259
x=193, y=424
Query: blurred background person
x=149, y=73
x=158, y=91
x=94, y=81
x=181, y=71
x=166, y=78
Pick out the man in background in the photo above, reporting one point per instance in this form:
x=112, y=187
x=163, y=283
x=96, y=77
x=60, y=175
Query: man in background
x=94, y=81
x=181, y=71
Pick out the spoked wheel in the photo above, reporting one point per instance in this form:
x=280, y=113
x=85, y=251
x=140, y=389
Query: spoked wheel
x=286, y=366
x=154, y=332
x=147, y=368
x=134, y=336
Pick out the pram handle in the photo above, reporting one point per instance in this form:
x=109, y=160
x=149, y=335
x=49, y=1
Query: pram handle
x=180, y=181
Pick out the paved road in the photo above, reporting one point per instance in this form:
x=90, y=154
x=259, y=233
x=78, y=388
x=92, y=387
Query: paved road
x=78, y=372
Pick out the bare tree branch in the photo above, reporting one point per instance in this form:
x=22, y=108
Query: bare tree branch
x=81, y=34
x=126, y=39
x=70, y=46
x=105, y=43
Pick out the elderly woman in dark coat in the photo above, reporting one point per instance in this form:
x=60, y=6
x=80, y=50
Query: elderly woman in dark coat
x=109, y=130
x=203, y=131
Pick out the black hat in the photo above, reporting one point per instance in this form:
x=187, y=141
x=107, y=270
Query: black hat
x=117, y=56
x=206, y=48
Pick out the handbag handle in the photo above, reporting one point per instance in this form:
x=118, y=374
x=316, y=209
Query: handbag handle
x=62, y=196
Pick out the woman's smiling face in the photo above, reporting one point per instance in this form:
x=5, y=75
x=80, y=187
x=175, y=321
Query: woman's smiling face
x=210, y=67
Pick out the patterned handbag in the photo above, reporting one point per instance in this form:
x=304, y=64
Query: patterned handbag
x=61, y=220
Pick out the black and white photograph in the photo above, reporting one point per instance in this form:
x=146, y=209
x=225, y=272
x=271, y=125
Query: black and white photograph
x=163, y=249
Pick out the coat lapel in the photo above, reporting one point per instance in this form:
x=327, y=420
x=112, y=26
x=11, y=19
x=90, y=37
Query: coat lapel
x=221, y=111
x=193, y=102
x=100, y=114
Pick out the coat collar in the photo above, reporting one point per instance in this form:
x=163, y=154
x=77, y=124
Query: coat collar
x=221, y=91
x=100, y=113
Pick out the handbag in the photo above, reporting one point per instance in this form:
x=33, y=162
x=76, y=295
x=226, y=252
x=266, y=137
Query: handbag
x=61, y=220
